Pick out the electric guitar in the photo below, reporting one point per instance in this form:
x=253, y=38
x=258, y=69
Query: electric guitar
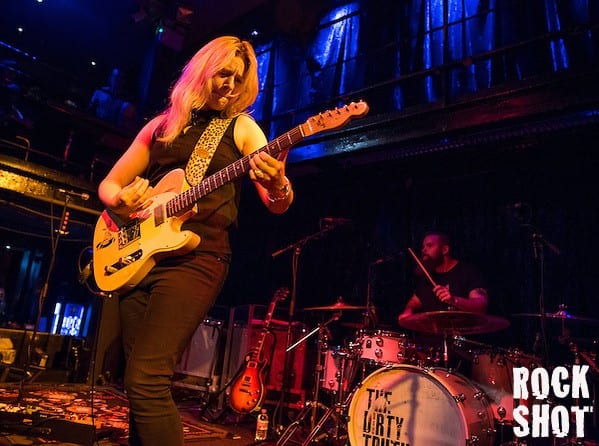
x=247, y=389
x=124, y=253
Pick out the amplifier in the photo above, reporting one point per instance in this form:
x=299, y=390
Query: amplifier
x=201, y=362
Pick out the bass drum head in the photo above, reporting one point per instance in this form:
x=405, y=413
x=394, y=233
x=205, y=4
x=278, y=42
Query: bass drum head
x=406, y=405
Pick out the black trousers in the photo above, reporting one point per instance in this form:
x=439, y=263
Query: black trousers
x=158, y=319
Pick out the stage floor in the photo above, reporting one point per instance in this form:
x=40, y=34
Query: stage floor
x=43, y=414
x=65, y=414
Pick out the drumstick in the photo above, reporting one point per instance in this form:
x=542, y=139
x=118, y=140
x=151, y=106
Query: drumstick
x=422, y=267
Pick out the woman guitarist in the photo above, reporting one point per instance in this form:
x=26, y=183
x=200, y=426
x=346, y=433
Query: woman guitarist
x=160, y=313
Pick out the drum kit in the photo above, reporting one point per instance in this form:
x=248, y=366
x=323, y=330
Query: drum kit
x=385, y=389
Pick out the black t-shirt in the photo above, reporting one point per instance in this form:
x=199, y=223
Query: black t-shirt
x=462, y=279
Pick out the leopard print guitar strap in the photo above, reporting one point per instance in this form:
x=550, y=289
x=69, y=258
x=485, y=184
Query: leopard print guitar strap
x=204, y=150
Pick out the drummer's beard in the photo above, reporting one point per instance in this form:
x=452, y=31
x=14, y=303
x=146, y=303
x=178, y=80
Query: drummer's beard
x=431, y=263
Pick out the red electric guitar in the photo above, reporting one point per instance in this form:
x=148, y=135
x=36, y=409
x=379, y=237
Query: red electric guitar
x=247, y=389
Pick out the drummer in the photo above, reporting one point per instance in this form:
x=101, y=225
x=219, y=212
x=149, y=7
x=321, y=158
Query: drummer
x=459, y=285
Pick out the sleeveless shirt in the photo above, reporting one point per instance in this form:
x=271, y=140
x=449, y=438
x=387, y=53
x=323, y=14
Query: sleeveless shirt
x=218, y=210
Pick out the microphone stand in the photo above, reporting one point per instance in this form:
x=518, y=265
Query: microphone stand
x=296, y=247
x=64, y=218
x=538, y=245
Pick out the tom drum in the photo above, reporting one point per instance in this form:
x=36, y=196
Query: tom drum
x=338, y=370
x=385, y=347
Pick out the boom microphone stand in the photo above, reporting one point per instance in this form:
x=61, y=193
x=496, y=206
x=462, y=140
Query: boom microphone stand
x=297, y=250
x=539, y=243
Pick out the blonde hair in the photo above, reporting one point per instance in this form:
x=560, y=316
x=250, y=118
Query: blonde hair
x=194, y=86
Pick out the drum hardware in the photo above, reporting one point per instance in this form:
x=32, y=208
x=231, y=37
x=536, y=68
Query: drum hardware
x=337, y=408
x=311, y=407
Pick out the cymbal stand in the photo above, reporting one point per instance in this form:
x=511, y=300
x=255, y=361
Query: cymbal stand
x=337, y=407
x=310, y=407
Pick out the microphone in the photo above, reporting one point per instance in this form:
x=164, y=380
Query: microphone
x=335, y=221
x=83, y=195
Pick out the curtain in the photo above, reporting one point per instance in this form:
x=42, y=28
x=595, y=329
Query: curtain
x=398, y=54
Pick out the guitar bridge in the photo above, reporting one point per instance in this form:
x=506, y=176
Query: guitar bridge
x=123, y=262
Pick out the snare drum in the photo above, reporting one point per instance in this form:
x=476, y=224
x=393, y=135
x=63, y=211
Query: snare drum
x=385, y=347
x=403, y=404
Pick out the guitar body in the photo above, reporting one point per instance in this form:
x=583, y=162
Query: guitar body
x=124, y=255
x=247, y=391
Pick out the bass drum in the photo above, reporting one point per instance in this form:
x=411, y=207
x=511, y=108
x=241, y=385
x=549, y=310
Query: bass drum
x=407, y=405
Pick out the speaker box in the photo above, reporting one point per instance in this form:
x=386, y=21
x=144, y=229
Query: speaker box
x=108, y=362
x=201, y=362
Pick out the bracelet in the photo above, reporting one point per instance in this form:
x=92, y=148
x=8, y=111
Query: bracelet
x=281, y=194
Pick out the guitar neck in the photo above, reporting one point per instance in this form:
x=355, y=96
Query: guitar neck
x=186, y=200
x=267, y=319
x=315, y=124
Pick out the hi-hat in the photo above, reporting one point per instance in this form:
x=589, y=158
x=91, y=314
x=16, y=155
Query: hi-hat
x=454, y=322
x=338, y=306
x=561, y=315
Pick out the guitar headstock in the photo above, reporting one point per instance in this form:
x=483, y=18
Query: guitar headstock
x=281, y=294
x=336, y=118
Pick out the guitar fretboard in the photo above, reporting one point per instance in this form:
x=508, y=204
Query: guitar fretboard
x=187, y=199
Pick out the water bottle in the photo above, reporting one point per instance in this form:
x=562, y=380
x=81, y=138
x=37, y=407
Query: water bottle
x=261, y=426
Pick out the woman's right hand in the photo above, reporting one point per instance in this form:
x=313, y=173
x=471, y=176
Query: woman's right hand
x=134, y=197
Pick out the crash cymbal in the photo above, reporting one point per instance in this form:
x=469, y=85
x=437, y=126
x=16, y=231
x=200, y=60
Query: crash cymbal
x=338, y=306
x=454, y=322
x=561, y=315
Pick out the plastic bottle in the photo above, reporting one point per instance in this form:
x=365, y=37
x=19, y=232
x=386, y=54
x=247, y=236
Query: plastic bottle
x=262, y=426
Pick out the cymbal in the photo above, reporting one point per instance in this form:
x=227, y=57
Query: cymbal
x=454, y=322
x=338, y=306
x=561, y=315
